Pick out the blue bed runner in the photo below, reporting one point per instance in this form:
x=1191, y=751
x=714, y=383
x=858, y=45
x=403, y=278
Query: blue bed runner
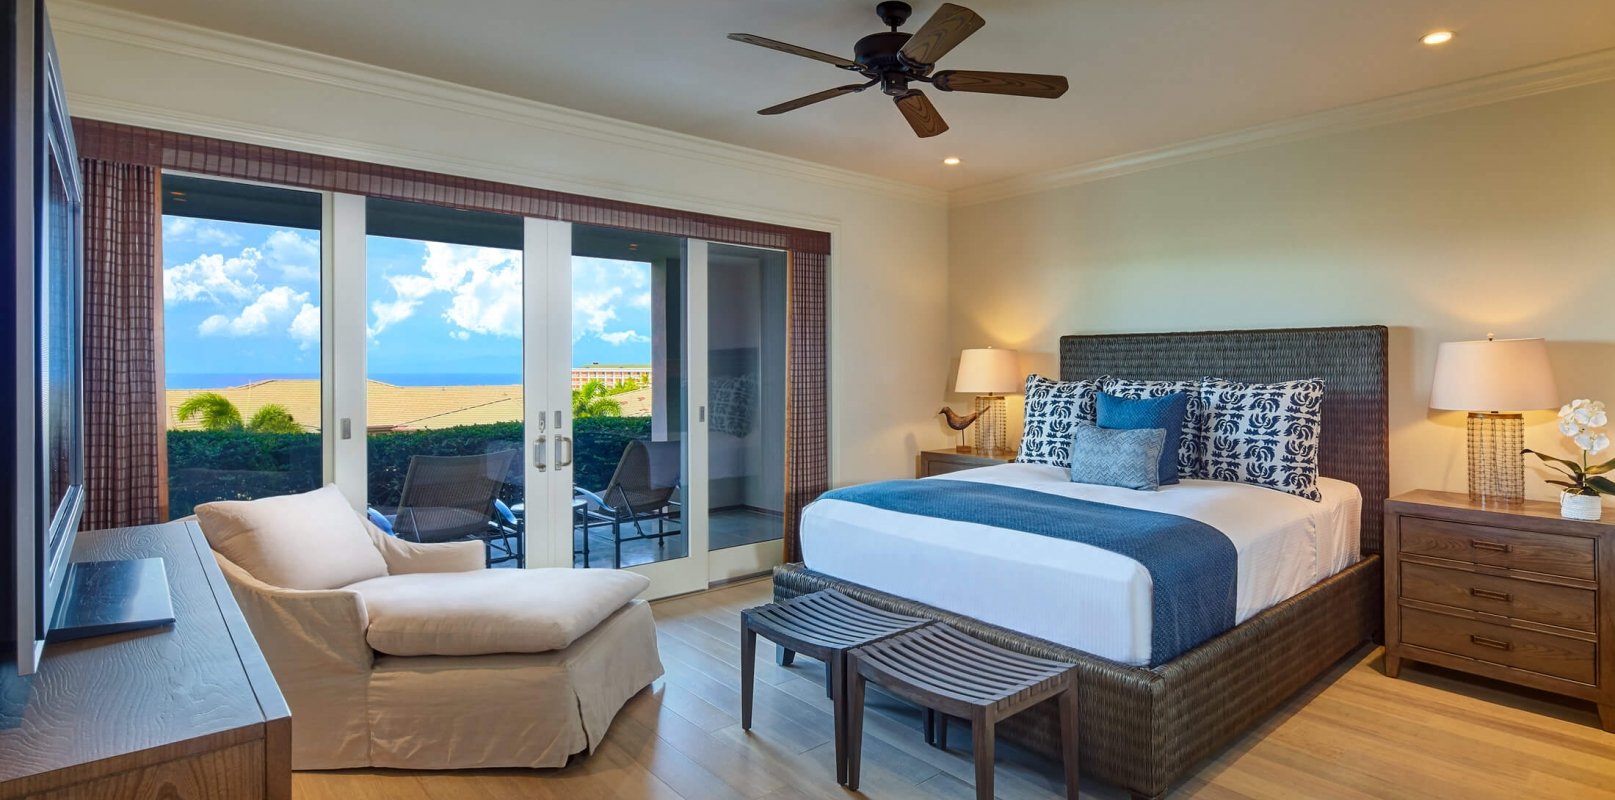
x=1193, y=566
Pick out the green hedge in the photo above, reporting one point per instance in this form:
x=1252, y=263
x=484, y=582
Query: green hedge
x=239, y=465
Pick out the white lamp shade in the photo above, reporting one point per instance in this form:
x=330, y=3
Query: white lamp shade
x=1494, y=375
x=988, y=370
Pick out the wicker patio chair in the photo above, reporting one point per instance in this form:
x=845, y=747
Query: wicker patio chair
x=641, y=490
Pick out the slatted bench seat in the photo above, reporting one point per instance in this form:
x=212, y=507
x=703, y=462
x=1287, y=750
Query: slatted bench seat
x=822, y=625
x=950, y=673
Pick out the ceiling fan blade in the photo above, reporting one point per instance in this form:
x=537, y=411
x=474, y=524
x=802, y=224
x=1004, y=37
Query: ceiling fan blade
x=921, y=115
x=1021, y=84
x=844, y=63
x=792, y=105
x=949, y=26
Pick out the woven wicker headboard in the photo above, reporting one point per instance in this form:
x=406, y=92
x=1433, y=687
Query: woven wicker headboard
x=1351, y=362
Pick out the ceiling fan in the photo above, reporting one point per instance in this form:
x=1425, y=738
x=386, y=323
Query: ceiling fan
x=895, y=59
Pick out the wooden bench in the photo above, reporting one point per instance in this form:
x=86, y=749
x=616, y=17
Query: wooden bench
x=822, y=625
x=947, y=672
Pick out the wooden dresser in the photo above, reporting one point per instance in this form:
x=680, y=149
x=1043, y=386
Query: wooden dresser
x=942, y=462
x=1519, y=594
x=188, y=711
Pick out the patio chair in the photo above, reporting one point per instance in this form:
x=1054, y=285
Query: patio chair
x=640, y=491
x=452, y=498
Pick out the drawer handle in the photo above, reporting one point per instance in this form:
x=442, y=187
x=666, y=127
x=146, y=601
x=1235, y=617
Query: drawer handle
x=1482, y=544
x=1489, y=594
x=1485, y=642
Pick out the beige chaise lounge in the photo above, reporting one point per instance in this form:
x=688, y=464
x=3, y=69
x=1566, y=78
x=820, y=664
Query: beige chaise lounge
x=412, y=656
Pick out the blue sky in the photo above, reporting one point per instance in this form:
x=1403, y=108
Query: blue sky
x=241, y=302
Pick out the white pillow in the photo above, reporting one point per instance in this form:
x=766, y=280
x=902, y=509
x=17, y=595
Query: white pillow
x=300, y=541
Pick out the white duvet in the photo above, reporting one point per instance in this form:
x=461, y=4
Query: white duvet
x=1072, y=593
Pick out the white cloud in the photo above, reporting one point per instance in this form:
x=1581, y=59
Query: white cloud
x=593, y=311
x=460, y=335
x=641, y=300
x=271, y=307
x=295, y=255
x=213, y=277
x=485, y=285
x=619, y=338
x=305, y=327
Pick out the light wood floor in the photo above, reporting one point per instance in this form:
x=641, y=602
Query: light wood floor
x=1353, y=734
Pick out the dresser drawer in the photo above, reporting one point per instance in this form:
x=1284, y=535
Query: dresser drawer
x=1543, y=653
x=1564, y=606
x=1568, y=556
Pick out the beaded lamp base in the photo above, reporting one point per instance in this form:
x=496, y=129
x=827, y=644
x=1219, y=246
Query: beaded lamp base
x=992, y=429
x=1496, y=466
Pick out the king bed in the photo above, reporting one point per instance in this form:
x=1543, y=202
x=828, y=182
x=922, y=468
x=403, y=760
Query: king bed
x=1307, y=589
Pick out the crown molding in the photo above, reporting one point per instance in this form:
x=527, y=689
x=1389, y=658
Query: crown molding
x=1568, y=73
x=123, y=27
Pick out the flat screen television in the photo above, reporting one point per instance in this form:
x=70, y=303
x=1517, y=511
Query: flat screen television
x=43, y=347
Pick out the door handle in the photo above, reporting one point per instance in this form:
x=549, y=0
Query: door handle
x=1484, y=641
x=540, y=446
x=559, y=440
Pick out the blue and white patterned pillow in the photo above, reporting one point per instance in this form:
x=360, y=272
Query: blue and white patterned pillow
x=1053, y=409
x=1264, y=434
x=1191, y=457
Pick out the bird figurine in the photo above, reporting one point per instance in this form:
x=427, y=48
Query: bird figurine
x=959, y=423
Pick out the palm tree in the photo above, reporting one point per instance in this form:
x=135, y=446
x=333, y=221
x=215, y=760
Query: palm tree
x=592, y=400
x=216, y=411
x=273, y=418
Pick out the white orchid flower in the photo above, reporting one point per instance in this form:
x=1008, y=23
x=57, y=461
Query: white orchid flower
x=1569, y=427
x=1565, y=411
x=1600, y=443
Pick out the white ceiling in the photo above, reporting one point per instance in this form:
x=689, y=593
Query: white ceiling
x=1144, y=73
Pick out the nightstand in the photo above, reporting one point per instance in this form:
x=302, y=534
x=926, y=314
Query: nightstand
x=1515, y=593
x=942, y=462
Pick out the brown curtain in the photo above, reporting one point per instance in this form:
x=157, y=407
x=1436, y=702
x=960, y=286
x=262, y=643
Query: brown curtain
x=123, y=430
x=807, y=468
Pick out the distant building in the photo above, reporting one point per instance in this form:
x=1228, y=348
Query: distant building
x=611, y=374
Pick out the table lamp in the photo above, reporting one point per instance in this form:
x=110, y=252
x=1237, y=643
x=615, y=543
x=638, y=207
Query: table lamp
x=990, y=373
x=1494, y=380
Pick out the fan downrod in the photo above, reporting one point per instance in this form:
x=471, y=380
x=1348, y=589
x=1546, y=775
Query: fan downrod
x=893, y=13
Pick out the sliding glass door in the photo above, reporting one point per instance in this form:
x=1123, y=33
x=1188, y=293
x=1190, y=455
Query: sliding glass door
x=574, y=396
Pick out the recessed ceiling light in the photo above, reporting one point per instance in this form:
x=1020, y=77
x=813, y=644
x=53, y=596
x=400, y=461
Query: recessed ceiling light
x=952, y=161
x=1437, y=37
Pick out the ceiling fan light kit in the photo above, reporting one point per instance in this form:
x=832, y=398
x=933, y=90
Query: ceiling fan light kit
x=894, y=60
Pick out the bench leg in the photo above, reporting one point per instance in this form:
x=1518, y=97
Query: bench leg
x=1068, y=741
x=748, y=673
x=981, y=731
x=784, y=656
x=855, y=723
x=930, y=726
x=837, y=668
x=942, y=730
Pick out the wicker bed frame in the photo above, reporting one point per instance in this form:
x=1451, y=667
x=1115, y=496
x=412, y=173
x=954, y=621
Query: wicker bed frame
x=1144, y=729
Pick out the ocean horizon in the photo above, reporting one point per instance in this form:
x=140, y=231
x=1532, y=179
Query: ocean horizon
x=225, y=380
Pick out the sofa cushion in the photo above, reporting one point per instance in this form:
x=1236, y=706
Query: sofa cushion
x=491, y=611
x=312, y=540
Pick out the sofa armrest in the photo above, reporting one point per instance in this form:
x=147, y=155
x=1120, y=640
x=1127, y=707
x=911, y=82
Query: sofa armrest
x=407, y=558
x=303, y=632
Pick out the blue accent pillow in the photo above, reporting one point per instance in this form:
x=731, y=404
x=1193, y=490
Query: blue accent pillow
x=1129, y=458
x=1166, y=412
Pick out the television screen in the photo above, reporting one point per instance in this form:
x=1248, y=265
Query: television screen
x=42, y=340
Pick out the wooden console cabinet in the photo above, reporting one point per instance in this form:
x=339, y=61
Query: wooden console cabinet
x=1517, y=593
x=183, y=712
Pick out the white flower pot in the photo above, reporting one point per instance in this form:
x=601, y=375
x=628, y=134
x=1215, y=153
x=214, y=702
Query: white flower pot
x=1581, y=506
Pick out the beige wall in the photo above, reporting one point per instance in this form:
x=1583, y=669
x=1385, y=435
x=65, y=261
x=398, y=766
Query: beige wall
x=1493, y=219
x=888, y=293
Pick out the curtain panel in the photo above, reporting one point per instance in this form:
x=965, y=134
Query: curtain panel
x=123, y=402
x=807, y=466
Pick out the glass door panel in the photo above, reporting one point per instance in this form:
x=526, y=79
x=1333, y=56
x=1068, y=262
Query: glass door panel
x=746, y=332
x=241, y=329
x=629, y=381
x=444, y=368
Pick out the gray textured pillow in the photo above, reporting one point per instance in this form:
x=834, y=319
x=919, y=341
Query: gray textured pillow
x=1130, y=459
